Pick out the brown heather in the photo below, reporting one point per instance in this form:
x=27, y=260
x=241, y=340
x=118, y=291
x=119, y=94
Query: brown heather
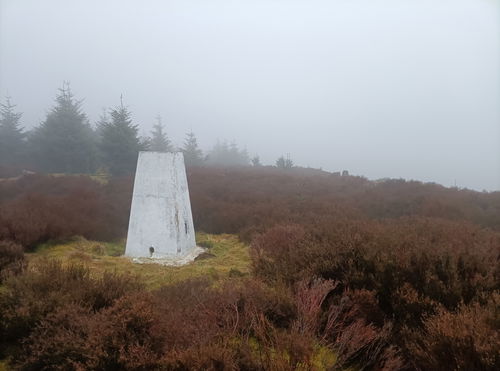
x=380, y=276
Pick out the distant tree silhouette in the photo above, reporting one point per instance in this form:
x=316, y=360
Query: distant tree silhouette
x=218, y=154
x=224, y=154
x=120, y=143
x=241, y=156
x=65, y=141
x=159, y=141
x=193, y=155
x=256, y=161
x=12, y=135
x=101, y=123
x=280, y=162
x=284, y=163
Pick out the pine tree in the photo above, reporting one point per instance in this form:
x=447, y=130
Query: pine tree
x=224, y=154
x=284, y=163
x=119, y=142
x=218, y=155
x=193, y=156
x=103, y=121
x=238, y=157
x=234, y=153
x=65, y=141
x=280, y=162
x=159, y=141
x=244, y=157
x=12, y=136
x=256, y=161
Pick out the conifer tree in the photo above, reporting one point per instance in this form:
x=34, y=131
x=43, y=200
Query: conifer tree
x=119, y=142
x=256, y=161
x=193, y=156
x=218, y=155
x=224, y=154
x=243, y=157
x=280, y=162
x=159, y=141
x=65, y=141
x=284, y=163
x=12, y=136
x=101, y=123
x=234, y=152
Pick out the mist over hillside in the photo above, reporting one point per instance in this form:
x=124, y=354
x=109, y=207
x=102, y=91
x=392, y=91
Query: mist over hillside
x=290, y=185
x=383, y=88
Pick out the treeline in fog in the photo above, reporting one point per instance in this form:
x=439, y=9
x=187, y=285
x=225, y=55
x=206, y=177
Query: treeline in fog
x=381, y=275
x=66, y=142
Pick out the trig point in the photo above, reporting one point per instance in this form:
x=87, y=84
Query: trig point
x=161, y=223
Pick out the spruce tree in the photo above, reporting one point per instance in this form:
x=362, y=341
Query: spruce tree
x=280, y=162
x=234, y=153
x=243, y=157
x=218, y=155
x=65, y=141
x=224, y=154
x=159, y=141
x=193, y=156
x=284, y=163
x=119, y=142
x=256, y=161
x=101, y=123
x=12, y=136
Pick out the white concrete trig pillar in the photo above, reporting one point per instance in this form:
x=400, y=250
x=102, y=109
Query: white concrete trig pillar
x=161, y=222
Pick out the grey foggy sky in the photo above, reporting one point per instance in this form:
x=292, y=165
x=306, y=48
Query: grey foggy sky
x=383, y=88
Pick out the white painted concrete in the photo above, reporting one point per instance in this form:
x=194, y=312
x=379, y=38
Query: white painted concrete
x=160, y=217
x=175, y=262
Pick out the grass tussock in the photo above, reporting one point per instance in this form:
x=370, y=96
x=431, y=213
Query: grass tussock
x=230, y=258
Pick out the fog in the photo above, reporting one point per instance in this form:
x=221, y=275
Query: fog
x=381, y=88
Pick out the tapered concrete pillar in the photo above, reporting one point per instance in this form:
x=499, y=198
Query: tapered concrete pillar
x=161, y=222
